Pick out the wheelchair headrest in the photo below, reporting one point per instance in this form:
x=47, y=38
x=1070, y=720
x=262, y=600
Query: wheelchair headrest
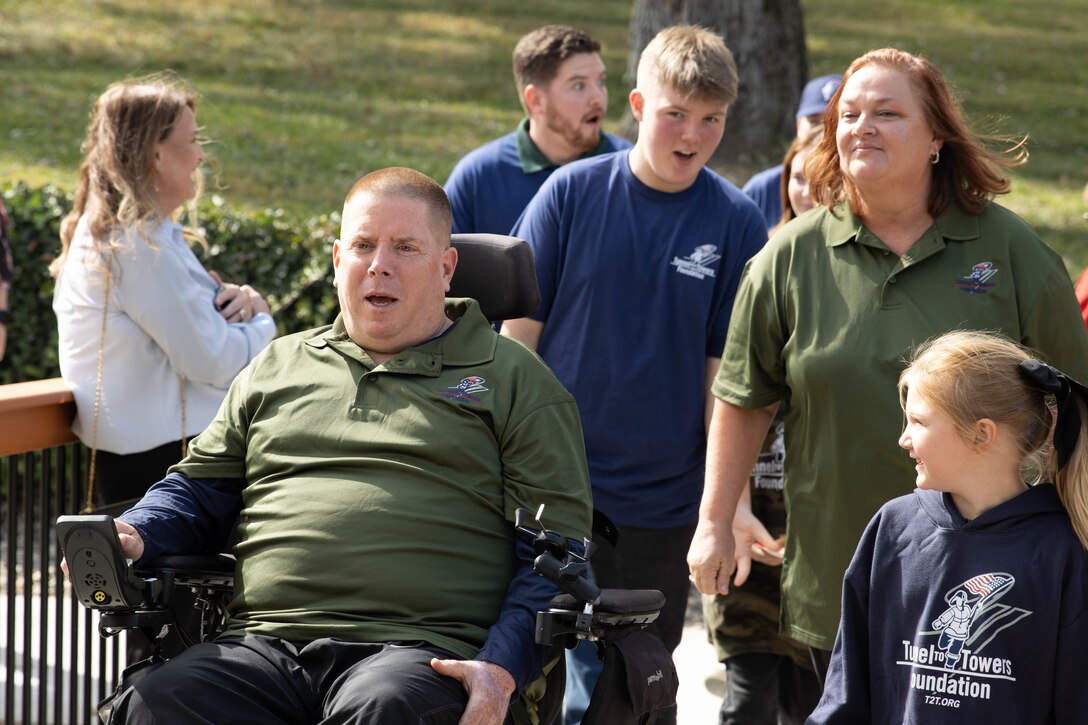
x=498, y=272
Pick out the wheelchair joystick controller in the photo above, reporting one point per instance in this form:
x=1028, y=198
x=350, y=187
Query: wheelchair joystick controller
x=556, y=562
x=140, y=599
x=615, y=619
x=100, y=574
x=586, y=611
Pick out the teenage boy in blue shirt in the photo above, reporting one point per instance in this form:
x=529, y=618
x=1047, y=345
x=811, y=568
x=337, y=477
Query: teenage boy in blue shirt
x=638, y=256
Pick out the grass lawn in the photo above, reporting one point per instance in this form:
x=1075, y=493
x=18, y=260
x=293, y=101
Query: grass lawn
x=302, y=96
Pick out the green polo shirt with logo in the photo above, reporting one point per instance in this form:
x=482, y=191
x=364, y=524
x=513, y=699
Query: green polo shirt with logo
x=380, y=498
x=532, y=160
x=824, y=318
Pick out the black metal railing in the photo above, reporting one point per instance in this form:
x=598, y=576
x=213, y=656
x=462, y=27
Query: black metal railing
x=56, y=667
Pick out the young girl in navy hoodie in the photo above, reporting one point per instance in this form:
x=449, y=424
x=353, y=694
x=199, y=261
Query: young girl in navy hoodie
x=967, y=601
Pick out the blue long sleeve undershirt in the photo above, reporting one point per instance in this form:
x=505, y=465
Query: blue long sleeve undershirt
x=181, y=515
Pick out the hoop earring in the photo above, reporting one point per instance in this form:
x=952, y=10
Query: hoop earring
x=935, y=157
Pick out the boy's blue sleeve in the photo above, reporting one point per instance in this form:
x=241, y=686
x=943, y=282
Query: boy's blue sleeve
x=540, y=226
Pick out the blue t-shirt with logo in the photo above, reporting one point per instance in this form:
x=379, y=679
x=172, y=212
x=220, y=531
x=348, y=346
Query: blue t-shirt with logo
x=637, y=287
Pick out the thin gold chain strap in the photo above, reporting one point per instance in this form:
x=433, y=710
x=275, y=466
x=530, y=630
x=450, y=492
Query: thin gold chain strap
x=88, y=506
x=184, y=446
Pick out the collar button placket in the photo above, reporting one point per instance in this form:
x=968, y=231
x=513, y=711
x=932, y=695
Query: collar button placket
x=889, y=289
x=367, y=392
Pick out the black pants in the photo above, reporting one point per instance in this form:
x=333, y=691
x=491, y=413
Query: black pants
x=120, y=481
x=767, y=689
x=264, y=680
x=124, y=478
x=651, y=559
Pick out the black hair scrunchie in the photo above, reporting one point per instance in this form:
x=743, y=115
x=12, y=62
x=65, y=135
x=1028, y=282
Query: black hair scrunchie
x=1051, y=380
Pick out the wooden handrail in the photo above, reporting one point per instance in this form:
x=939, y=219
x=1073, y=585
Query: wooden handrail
x=35, y=415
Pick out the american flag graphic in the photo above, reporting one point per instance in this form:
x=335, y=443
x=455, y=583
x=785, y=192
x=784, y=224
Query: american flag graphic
x=984, y=584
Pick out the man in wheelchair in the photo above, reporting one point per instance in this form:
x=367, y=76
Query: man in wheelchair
x=376, y=466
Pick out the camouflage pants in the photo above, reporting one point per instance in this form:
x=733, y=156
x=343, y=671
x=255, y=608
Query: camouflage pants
x=769, y=677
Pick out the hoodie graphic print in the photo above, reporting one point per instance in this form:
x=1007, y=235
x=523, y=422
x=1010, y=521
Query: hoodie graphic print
x=948, y=621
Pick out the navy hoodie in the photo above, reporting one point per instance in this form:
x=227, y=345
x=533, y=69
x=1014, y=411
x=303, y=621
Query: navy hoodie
x=946, y=620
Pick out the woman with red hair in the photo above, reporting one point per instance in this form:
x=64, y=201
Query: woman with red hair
x=907, y=244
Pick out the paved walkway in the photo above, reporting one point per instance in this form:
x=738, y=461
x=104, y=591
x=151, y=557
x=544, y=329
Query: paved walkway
x=695, y=661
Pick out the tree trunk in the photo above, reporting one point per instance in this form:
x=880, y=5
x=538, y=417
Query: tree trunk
x=767, y=39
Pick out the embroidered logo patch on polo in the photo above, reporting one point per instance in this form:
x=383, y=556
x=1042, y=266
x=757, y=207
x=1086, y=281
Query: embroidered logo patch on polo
x=466, y=389
x=697, y=264
x=977, y=281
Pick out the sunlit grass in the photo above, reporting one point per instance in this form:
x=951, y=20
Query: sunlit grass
x=1018, y=69
x=303, y=96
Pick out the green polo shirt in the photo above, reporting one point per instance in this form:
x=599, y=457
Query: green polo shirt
x=379, y=498
x=533, y=161
x=824, y=318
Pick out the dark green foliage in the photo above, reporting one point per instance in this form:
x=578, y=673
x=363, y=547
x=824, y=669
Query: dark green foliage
x=288, y=260
x=32, y=334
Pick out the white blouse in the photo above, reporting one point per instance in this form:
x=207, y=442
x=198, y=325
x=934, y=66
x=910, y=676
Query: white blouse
x=161, y=323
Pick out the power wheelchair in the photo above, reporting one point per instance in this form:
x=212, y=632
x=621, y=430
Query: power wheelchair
x=638, y=677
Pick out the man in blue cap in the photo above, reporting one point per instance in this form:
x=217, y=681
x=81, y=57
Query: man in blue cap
x=764, y=187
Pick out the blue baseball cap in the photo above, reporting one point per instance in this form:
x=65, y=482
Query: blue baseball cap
x=817, y=93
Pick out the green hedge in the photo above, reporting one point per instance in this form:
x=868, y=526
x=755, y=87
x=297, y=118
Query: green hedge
x=288, y=260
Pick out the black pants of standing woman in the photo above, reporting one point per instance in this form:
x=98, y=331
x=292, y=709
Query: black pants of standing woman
x=121, y=481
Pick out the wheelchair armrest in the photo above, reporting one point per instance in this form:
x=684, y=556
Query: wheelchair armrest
x=566, y=618
x=203, y=570
x=210, y=576
x=618, y=601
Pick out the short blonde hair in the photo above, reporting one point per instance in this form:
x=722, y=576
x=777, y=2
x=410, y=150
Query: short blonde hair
x=692, y=61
